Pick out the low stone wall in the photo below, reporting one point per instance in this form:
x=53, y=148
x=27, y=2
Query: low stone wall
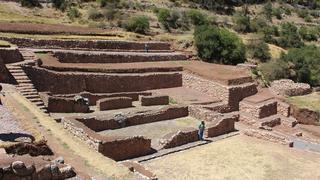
x=65, y=105
x=86, y=44
x=115, y=57
x=101, y=123
x=179, y=138
x=222, y=126
x=305, y=115
x=117, y=148
x=269, y=136
x=67, y=82
x=25, y=168
x=259, y=110
x=283, y=109
x=287, y=87
x=10, y=55
x=230, y=94
x=204, y=114
x=154, y=100
x=114, y=103
x=140, y=169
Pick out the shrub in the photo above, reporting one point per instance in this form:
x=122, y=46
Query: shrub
x=94, y=14
x=104, y=3
x=139, y=24
x=258, y=24
x=308, y=18
x=110, y=13
x=73, y=13
x=277, y=12
x=269, y=32
x=302, y=13
x=241, y=21
x=261, y=51
x=267, y=10
x=30, y=3
x=306, y=64
x=308, y=34
x=218, y=45
x=289, y=36
x=168, y=18
x=274, y=70
x=60, y=4
x=197, y=18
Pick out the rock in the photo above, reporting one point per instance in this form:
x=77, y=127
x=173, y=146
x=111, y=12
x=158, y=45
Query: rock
x=298, y=134
x=20, y=169
x=55, y=171
x=59, y=160
x=67, y=172
x=45, y=172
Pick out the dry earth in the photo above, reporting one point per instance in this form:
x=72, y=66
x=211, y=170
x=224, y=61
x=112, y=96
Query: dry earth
x=238, y=157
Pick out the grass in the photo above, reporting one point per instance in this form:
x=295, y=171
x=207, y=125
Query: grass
x=4, y=44
x=310, y=101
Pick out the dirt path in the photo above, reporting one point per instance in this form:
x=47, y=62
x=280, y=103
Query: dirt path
x=75, y=152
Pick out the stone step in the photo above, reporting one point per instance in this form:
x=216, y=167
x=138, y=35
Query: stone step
x=21, y=77
x=270, y=121
x=40, y=104
x=26, y=89
x=16, y=71
x=24, y=81
x=19, y=74
x=27, y=85
x=36, y=100
x=29, y=93
x=13, y=67
x=288, y=121
x=32, y=96
x=259, y=110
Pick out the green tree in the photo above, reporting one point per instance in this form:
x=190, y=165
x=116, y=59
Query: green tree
x=30, y=3
x=139, y=24
x=274, y=70
x=267, y=10
x=308, y=34
x=289, y=36
x=219, y=45
x=241, y=21
x=196, y=17
x=262, y=52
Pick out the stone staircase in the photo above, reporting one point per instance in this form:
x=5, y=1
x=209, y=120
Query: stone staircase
x=263, y=111
x=24, y=84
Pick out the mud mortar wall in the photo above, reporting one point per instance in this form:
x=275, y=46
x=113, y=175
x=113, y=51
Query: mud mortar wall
x=179, y=138
x=10, y=55
x=64, y=83
x=305, y=115
x=231, y=95
x=117, y=148
x=65, y=105
x=86, y=44
x=71, y=57
x=221, y=126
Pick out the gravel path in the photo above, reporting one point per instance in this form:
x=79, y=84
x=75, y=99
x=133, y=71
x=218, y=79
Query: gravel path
x=8, y=123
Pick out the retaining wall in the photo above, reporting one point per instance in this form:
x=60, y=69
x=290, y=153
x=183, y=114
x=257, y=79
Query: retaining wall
x=222, y=126
x=259, y=110
x=114, y=103
x=65, y=105
x=64, y=83
x=101, y=123
x=305, y=115
x=154, y=100
x=115, y=57
x=10, y=55
x=86, y=44
x=117, y=148
x=179, y=138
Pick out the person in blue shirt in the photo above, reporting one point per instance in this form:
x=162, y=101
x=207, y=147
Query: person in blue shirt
x=202, y=126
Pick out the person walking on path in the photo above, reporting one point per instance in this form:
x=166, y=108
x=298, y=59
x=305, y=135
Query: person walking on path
x=146, y=48
x=202, y=126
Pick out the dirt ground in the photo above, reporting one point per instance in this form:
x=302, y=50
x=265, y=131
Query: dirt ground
x=154, y=131
x=238, y=157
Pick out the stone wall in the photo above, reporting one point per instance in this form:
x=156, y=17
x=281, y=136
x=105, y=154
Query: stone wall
x=154, y=100
x=222, y=126
x=117, y=148
x=101, y=123
x=283, y=109
x=86, y=44
x=114, y=103
x=35, y=168
x=305, y=115
x=10, y=55
x=68, y=82
x=179, y=138
x=204, y=114
x=287, y=87
x=136, y=167
x=65, y=105
x=230, y=94
x=269, y=136
x=259, y=110
x=115, y=57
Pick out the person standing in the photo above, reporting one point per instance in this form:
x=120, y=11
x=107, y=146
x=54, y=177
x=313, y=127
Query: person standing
x=202, y=126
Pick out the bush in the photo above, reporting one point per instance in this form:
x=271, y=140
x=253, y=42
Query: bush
x=197, y=18
x=104, y=3
x=267, y=10
x=269, y=32
x=111, y=13
x=274, y=70
x=289, y=36
x=168, y=18
x=306, y=64
x=139, y=24
x=258, y=24
x=308, y=34
x=242, y=22
x=261, y=51
x=94, y=14
x=60, y=4
x=277, y=12
x=73, y=13
x=218, y=45
x=30, y=3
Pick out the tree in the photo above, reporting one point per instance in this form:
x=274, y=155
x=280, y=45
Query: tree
x=306, y=64
x=139, y=24
x=242, y=22
x=219, y=45
x=262, y=52
x=196, y=17
x=289, y=36
x=30, y=3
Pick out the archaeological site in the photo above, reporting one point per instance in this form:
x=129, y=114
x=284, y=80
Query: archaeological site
x=118, y=107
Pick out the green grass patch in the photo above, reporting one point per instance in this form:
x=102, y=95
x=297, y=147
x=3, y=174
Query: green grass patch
x=311, y=101
x=4, y=44
x=172, y=101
